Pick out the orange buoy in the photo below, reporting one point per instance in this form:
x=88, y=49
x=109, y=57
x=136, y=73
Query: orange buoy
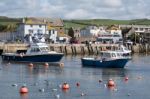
x=111, y=83
x=23, y=89
x=78, y=84
x=65, y=86
x=31, y=65
x=46, y=64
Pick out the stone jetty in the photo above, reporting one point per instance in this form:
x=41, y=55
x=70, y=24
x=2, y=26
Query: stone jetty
x=64, y=48
x=76, y=49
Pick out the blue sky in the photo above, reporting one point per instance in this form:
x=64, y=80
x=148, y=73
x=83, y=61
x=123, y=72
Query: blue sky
x=76, y=9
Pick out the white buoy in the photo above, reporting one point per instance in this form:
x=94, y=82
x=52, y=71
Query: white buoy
x=57, y=96
x=15, y=85
x=83, y=94
x=41, y=90
x=115, y=89
x=105, y=85
x=54, y=89
x=60, y=86
x=35, y=84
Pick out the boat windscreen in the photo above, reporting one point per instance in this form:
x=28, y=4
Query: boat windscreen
x=44, y=49
x=35, y=50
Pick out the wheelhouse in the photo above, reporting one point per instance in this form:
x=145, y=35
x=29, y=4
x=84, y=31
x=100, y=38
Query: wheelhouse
x=38, y=48
x=113, y=54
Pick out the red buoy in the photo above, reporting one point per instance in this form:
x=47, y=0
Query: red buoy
x=23, y=89
x=31, y=65
x=65, y=86
x=111, y=83
x=78, y=84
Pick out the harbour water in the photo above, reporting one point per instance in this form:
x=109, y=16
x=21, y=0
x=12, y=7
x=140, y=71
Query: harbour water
x=44, y=82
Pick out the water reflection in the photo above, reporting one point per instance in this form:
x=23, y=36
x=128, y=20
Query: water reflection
x=92, y=80
x=24, y=96
x=113, y=73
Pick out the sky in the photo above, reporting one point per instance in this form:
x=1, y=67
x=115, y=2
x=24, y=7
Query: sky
x=76, y=9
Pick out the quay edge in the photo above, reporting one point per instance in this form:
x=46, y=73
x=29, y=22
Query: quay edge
x=75, y=49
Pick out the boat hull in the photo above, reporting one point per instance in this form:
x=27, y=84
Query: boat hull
x=117, y=63
x=33, y=58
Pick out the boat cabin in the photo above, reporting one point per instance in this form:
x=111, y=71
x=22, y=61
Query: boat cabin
x=38, y=48
x=113, y=54
x=124, y=49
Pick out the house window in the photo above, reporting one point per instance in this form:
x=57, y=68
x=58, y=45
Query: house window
x=39, y=31
x=115, y=33
x=30, y=31
x=136, y=29
x=141, y=29
x=53, y=31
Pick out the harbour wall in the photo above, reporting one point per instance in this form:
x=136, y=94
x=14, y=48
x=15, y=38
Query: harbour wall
x=75, y=49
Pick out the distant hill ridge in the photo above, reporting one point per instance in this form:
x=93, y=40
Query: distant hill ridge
x=7, y=19
x=82, y=23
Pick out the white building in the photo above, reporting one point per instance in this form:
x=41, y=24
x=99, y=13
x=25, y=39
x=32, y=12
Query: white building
x=137, y=28
x=112, y=34
x=63, y=38
x=52, y=35
x=38, y=28
x=92, y=31
x=33, y=27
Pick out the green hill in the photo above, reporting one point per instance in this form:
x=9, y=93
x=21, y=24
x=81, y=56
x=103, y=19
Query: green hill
x=5, y=21
x=99, y=22
x=8, y=24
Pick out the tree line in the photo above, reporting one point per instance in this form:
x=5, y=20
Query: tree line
x=8, y=27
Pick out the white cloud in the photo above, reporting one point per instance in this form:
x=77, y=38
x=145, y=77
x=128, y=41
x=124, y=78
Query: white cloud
x=112, y=9
x=79, y=13
x=113, y=3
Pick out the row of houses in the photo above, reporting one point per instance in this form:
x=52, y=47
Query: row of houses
x=52, y=30
x=141, y=32
x=103, y=34
x=113, y=33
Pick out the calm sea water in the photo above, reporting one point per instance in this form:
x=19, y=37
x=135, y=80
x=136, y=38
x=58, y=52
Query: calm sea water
x=49, y=79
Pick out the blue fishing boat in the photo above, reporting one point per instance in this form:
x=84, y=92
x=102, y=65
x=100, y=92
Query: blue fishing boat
x=36, y=52
x=109, y=59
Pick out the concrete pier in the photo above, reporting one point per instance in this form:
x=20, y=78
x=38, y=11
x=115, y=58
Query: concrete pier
x=75, y=49
x=63, y=48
